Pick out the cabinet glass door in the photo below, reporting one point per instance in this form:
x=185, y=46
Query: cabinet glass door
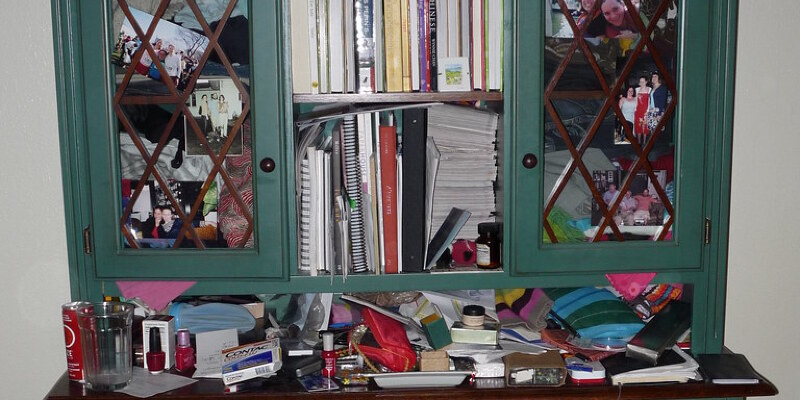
x=619, y=141
x=178, y=148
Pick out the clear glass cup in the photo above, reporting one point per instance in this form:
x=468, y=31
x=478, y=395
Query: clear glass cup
x=106, y=341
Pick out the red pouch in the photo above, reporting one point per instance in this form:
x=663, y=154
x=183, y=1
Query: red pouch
x=395, y=350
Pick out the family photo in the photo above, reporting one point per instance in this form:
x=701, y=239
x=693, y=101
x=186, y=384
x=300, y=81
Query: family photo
x=639, y=205
x=177, y=49
x=215, y=105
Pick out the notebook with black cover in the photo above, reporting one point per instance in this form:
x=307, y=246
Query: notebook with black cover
x=727, y=369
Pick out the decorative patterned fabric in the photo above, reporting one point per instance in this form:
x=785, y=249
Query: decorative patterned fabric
x=652, y=300
x=232, y=221
x=595, y=313
x=560, y=223
x=522, y=306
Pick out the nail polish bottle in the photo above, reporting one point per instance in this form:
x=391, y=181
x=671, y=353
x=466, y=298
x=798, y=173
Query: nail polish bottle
x=184, y=353
x=155, y=357
x=328, y=355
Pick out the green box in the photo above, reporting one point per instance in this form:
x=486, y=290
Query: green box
x=436, y=331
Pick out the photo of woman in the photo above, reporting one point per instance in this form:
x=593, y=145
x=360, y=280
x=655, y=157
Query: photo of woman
x=223, y=116
x=627, y=104
x=642, y=105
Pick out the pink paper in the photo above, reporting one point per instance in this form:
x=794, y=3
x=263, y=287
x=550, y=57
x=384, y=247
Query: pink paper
x=156, y=294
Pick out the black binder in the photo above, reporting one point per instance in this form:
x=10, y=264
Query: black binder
x=415, y=122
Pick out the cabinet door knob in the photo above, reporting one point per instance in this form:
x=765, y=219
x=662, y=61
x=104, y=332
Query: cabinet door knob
x=529, y=161
x=267, y=164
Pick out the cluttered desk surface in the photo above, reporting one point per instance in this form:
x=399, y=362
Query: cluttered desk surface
x=382, y=353
x=286, y=388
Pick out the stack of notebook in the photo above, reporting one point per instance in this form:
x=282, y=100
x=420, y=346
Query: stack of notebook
x=674, y=365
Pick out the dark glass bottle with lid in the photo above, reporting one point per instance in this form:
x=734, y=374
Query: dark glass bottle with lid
x=488, y=245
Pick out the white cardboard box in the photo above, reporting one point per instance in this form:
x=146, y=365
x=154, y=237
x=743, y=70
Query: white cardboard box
x=166, y=327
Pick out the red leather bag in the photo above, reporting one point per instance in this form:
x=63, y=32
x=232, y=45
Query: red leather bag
x=395, y=350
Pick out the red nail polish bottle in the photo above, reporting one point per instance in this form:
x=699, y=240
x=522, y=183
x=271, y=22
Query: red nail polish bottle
x=184, y=353
x=328, y=355
x=155, y=357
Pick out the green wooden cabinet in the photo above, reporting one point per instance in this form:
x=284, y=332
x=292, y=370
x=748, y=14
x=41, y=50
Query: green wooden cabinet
x=104, y=100
x=94, y=97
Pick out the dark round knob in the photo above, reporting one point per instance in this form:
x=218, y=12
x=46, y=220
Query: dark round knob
x=267, y=164
x=529, y=161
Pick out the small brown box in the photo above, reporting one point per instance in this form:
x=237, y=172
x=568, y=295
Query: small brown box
x=546, y=369
x=434, y=361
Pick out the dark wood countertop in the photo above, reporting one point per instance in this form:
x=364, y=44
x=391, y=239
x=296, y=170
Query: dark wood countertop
x=284, y=388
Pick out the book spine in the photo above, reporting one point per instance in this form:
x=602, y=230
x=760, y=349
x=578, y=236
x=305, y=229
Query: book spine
x=388, y=161
x=378, y=224
x=336, y=47
x=424, y=69
x=378, y=41
x=413, y=196
x=486, y=43
x=304, y=248
x=413, y=32
x=405, y=45
x=452, y=28
x=393, y=47
x=432, y=45
x=301, y=72
x=323, y=46
x=477, y=44
x=327, y=195
x=313, y=57
x=351, y=64
x=336, y=188
x=365, y=46
x=501, y=44
x=353, y=175
x=464, y=43
x=315, y=200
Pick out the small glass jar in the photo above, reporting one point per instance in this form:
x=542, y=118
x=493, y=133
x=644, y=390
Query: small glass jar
x=488, y=245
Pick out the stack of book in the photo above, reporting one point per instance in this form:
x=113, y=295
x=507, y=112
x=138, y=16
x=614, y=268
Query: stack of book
x=351, y=188
x=674, y=365
x=368, y=46
x=466, y=138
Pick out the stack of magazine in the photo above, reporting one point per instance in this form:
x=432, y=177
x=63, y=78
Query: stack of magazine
x=467, y=140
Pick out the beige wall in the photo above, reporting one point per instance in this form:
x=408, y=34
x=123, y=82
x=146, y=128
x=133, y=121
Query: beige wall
x=762, y=319
x=33, y=265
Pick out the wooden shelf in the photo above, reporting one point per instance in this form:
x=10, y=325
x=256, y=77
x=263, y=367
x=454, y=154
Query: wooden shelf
x=283, y=388
x=397, y=97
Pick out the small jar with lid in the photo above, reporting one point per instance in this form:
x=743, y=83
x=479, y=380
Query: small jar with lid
x=488, y=245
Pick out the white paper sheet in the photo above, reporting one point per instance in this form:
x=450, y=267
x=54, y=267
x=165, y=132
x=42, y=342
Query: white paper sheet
x=209, y=352
x=144, y=384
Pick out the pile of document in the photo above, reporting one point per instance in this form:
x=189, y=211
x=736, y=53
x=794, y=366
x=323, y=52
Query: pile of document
x=467, y=141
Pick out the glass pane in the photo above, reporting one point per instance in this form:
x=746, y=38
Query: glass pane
x=610, y=96
x=183, y=104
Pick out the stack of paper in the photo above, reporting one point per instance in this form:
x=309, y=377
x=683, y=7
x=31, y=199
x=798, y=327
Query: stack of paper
x=466, y=138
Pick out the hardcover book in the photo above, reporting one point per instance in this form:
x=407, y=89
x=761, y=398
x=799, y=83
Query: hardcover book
x=388, y=153
x=727, y=369
x=394, y=47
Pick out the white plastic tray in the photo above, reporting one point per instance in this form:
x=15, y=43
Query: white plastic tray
x=398, y=380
